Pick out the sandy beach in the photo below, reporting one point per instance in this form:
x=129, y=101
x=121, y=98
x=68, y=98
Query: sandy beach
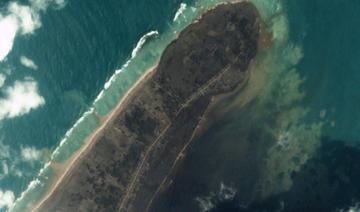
x=156, y=120
x=90, y=141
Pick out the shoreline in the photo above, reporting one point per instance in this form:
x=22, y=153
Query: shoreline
x=156, y=119
x=90, y=141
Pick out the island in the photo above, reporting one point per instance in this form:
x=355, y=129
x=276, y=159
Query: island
x=135, y=153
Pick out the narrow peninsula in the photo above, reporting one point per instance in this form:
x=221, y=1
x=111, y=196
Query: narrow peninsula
x=134, y=155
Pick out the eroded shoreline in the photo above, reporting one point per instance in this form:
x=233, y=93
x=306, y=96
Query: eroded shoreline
x=128, y=157
x=88, y=144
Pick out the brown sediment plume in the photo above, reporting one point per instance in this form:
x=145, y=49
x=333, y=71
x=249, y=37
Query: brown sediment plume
x=135, y=151
x=265, y=38
x=254, y=83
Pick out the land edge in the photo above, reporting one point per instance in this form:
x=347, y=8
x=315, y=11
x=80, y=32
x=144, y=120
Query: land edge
x=92, y=138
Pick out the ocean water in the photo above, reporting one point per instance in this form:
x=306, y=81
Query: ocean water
x=56, y=57
x=289, y=140
x=65, y=63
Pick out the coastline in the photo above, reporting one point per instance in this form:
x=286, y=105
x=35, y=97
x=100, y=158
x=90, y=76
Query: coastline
x=157, y=119
x=90, y=141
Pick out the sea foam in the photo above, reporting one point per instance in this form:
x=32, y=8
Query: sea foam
x=69, y=132
x=134, y=52
x=180, y=11
x=136, y=63
x=32, y=185
x=17, y=206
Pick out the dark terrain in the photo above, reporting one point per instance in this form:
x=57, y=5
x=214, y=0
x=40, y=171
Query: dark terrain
x=136, y=156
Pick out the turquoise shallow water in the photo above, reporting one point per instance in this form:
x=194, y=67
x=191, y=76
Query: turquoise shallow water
x=288, y=141
x=86, y=54
x=71, y=61
x=330, y=42
x=76, y=50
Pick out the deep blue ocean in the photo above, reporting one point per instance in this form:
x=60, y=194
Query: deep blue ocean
x=64, y=63
x=75, y=47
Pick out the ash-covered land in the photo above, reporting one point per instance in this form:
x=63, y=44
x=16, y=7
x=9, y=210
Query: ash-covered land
x=136, y=156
